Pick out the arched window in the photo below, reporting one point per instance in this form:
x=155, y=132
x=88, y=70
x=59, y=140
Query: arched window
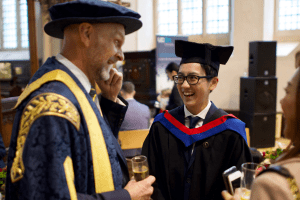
x=289, y=15
x=167, y=17
x=193, y=17
x=287, y=21
x=13, y=25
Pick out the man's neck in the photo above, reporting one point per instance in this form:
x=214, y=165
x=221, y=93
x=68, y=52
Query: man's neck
x=128, y=97
x=197, y=109
x=76, y=57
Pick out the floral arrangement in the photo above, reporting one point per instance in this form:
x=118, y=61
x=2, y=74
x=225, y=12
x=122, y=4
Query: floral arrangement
x=272, y=155
x=269, y=157
x=3, y=172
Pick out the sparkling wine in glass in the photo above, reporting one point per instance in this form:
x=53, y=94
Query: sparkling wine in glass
x=245, y=194
x=140, y=167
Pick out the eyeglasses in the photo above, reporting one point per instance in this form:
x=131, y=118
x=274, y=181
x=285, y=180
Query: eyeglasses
x=191, y=79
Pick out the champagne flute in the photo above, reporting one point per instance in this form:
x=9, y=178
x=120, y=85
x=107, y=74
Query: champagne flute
x=140, y=167
x=129, y=164
x=249, y=172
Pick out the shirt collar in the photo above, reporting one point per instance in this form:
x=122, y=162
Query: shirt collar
x=202, y=114
x=83, y=79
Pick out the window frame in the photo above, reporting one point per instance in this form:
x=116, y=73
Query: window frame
x=19, y=32
x=283, y=35
x=217, y=39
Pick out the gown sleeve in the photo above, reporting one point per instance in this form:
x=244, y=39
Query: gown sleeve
x=113, y=113
x=50, y=140
x=152, y=149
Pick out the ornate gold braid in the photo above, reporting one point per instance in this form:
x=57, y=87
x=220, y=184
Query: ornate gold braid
x=294, y=188
x=41, y=105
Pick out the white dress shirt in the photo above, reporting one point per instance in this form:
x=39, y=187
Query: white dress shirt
x=202, y=115
x=83, y=79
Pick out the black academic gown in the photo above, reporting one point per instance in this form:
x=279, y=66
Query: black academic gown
x=201, y=177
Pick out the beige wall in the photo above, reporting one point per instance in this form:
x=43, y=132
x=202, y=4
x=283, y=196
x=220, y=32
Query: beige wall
x=247, y=26
x=131, y=39
x=144, y=39
x=252, y=20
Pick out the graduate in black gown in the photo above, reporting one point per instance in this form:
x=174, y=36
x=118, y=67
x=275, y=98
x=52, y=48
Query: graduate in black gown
x=188, y=155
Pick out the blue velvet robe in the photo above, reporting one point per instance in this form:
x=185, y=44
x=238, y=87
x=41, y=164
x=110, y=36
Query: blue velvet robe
x=2, y=153
x=52, y=138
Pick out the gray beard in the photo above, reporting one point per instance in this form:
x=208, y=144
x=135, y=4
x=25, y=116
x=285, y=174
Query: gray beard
x=103, y=75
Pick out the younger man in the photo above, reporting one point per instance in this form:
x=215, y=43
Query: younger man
x=188, y=155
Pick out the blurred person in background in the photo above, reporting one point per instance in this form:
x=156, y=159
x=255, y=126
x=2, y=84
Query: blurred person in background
x=138, y=114
x=163, y=99
x=174, y=99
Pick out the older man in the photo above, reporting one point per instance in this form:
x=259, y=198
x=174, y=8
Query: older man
x=61, y=145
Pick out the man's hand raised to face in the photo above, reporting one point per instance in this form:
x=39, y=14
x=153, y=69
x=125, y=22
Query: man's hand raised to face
x=111, y=88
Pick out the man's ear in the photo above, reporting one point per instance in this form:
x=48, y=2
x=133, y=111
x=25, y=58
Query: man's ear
x=85, y=32
x=213, y=83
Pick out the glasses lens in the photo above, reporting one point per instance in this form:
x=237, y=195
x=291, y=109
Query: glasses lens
x=179, y=79
x=192, y=79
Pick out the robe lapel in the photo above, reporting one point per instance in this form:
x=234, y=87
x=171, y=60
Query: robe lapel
x=120, y=152
x=123, y=162
x=210, y=114
x=121, y=158
x=115, y=141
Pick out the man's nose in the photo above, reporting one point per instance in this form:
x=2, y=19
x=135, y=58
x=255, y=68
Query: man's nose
x=120, y=55
x=185, y=84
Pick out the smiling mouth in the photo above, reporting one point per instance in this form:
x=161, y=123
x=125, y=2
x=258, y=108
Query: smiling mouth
x=188, y=94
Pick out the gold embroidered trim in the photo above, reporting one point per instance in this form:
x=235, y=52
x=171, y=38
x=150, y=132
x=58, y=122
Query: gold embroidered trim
x=101, y=164
x=69, y=172
x=294, y=188
x=41, y=105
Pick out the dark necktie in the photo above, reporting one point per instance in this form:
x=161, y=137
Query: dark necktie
x=193, y=121
x=93, y=93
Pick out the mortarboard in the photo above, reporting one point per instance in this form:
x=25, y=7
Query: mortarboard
x=205, y=53
x=93, y=11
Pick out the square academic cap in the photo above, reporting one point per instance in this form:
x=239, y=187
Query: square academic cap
x=205, y=53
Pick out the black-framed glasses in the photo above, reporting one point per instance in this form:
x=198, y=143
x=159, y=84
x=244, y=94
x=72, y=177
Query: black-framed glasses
x=191, y=79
